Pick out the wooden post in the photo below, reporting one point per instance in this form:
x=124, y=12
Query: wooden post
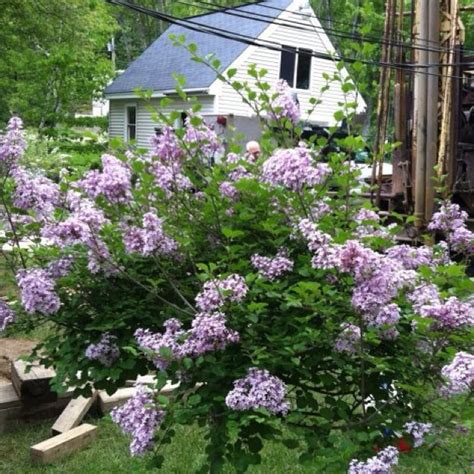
x=420, y=111
x=432, y=108
x=73, y=414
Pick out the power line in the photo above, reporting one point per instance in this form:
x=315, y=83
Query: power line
x=267, y=44
x=235, y=11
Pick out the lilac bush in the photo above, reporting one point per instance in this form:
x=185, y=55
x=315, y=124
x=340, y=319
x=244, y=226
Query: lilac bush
x=276, y=300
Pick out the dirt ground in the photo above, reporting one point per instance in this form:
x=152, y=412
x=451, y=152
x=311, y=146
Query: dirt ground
x=11, y=349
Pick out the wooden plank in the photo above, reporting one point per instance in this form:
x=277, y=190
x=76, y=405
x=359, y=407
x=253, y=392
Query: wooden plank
x=8, y=397
x=63, y=444
x=73, y=414
x=10, y=417
x=109, y=402
x=32, y=386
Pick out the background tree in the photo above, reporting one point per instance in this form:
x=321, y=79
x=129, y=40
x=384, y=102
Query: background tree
x=53, y=57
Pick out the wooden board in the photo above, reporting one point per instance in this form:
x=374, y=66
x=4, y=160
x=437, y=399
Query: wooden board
x=109, y=402
x=33, y=386
x=8, y=397
x=10, y=417
x=63, y=444
x=73, y=414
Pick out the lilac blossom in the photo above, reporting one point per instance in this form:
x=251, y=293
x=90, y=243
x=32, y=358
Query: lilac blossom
x=139, y=417
x=293, y=169
x=165, y=146
x=114, y=182
x=349, y=339
x=315, y=238
x=209, y=332
x=35, y=192
x=228, y=190
x=450, y=314
x=459, y=374
x=169, y=178
x=150, y=238
x=105, y=351
x=388, y=315
x=418, y=431
x=462, y=240
x=99, y=258
x=171, y=339
x=449, y=217
x=258, y=389
x=382, y=463
x=411, y=257
x=283, y=104
x=7, y=316
x=319, y=210
x=12, y=143
x=203, y=137
x=366, y=215
x=238, y=173
x=423, y=296
x=273, y=268
x=37, y=291
x=60, y=267
x=216, y=292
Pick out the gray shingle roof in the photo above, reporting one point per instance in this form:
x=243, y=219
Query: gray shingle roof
x=154, y=68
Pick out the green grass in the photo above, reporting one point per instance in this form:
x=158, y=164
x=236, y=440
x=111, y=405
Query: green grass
x=109, y=454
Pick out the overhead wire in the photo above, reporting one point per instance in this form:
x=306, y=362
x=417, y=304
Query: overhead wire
x=267, y=44
x=297, y=25
x=260, y=17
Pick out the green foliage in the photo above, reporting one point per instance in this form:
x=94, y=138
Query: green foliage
x=53, y=57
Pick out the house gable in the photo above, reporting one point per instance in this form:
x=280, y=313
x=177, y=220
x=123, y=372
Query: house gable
x=311, y=36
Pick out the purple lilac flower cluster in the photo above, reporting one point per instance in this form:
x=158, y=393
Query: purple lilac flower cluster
x=451, y=220
x=169, y=177
x=105, y=351
x=12, y=143
x=209, y=332
x=228, y=190
x=37, y=291
x=293, y=169
x=273, y=268
x=139, y=417
x=7, y=316
x=412, y=257
x=349, y=339
x=83, y=223
x=166, y=146
x=35, y=192
x=418, y=431
x=283, y=104
x=150, y=239
x=382, y=463
x=258, y=389
x=215, y=293
x=459, y=374
x=60, y=267
x=203, y=137
x=114, y=182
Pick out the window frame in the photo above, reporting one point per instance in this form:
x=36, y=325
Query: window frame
x=126, y=136
x=295, y=71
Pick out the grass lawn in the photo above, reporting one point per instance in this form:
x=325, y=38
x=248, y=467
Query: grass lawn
x=109, y=454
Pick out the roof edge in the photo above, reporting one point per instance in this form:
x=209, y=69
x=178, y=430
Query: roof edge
x=155, y=94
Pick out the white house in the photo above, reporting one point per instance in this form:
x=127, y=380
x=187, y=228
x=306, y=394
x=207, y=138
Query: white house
x=289, y=23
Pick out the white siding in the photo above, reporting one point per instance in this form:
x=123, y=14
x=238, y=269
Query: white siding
x=310, y=36
x=145, y=124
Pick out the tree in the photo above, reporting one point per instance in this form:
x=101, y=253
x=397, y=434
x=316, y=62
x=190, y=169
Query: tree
x=53, y=57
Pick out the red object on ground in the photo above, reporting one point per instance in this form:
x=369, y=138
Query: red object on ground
x=403, y=446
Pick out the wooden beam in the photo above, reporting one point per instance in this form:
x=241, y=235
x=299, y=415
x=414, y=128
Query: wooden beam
x=8, y=397
x=109, y=402
x=63, y=444
x=73, y=414
x=32, y=386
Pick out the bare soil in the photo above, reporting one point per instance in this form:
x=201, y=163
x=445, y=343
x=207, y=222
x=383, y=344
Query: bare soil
x=11, y=349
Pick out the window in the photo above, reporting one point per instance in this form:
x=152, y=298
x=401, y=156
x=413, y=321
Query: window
x=131, y=131
x=295, y=67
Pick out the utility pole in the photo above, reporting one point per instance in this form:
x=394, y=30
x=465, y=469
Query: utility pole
x=432, y=108
x=383, y=100
x=420, y=109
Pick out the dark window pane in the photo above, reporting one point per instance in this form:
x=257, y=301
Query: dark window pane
x=132, y=115
x=132, y=132
x=287, y=65
x=304, y=69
